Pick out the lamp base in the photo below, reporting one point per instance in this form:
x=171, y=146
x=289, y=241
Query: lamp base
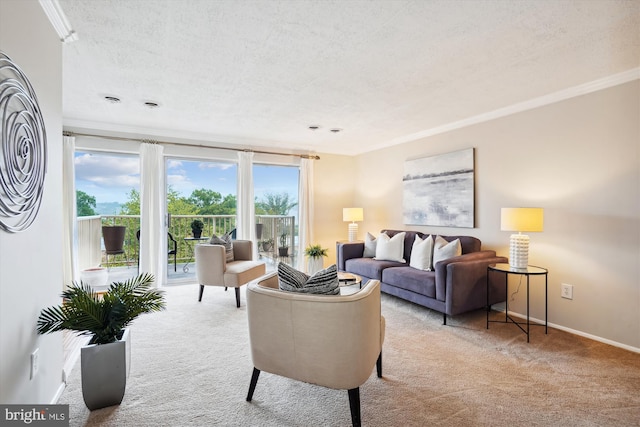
x=519, y=251
x=353, y=232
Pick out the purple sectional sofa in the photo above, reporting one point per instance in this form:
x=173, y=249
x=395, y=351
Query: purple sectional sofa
x=457, y=285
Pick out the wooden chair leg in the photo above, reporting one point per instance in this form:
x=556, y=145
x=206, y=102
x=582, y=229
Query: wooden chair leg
x=354, y=405
x=238, y=297
x=379, y=365
x=254, y=381
x=201, y=290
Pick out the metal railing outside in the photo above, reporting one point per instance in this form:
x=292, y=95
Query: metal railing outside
x=277, y=237
x=277, y=230
x=180, y=225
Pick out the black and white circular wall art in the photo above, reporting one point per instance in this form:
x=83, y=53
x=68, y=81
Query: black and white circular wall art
x=23, y=149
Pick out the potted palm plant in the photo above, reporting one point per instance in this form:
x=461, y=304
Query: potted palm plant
x=105, y=360
x=196, y=228
x=315, y=254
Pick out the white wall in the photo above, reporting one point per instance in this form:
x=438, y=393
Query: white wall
x=579, y=159
x=31, y=261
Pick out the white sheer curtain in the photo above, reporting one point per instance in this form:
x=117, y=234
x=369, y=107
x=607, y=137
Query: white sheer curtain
x=245, y=221
x=153, y=233
x=305, y=210
x=70, y=269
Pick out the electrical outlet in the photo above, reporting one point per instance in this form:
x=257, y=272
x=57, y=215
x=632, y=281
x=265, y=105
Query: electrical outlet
x=34, y=363
x=566, y=291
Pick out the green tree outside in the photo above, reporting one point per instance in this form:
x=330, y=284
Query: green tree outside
x=275, y=204
x=132, y=205
x=177, y=205
x=85, y=204
x=203, y=198
x=227, y=206
x=209, y=202
x=201, y=202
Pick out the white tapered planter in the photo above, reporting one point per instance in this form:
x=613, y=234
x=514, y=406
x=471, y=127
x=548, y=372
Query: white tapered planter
x=105, y=368
x=314, y=265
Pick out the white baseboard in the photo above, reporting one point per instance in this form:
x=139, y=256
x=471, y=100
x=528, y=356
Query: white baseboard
x=58, y=394
x=575, y=332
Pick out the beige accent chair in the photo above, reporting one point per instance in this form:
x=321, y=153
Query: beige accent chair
x=329, y=340
x=212, y=269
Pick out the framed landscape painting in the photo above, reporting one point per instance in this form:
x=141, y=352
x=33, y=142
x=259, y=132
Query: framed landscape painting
x=439, y=190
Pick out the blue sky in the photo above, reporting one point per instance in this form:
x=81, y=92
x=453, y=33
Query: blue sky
x=110, y=177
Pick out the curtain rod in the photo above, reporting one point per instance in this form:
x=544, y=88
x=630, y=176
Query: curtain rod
x=152, y=141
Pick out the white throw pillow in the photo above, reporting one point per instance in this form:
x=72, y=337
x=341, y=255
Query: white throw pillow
x=443, y=249
x=369, y=246
x=390, y=248
x=421, y=253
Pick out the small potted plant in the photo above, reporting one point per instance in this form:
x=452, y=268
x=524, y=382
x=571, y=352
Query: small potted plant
x=267, y=245
x=315, y=254
x=283, y=249
x=196, y=228
x=105, y=360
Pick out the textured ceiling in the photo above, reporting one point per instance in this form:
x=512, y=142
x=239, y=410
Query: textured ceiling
x=258, y=73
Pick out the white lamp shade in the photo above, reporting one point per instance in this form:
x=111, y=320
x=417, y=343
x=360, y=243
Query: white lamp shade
x=521, y=219
x=352, y=214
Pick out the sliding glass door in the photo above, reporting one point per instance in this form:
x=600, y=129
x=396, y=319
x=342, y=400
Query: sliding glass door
x=108, y=204
x=276, y=207
x=201, y=196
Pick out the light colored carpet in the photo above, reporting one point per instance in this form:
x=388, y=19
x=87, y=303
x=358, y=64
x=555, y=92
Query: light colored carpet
x=191, y=366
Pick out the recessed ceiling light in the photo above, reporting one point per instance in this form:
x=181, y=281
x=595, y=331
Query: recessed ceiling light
x=112, y=99
x=151, y=104
x=314, y=127
x=335, y=130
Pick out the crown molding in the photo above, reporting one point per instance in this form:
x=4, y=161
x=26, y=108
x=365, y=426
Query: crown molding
x=572, y=92
x=59, y=20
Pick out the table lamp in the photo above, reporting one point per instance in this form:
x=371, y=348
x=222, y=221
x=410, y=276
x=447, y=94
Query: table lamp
x=353, y=215
x=520, y=219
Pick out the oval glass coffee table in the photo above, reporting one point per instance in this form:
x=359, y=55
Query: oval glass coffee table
x=349, y=283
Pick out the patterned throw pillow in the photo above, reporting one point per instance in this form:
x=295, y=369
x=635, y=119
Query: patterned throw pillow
x=323, y=282
x=226, y=242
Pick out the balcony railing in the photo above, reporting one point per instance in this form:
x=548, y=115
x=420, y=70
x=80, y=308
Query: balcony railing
x=274, y=232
